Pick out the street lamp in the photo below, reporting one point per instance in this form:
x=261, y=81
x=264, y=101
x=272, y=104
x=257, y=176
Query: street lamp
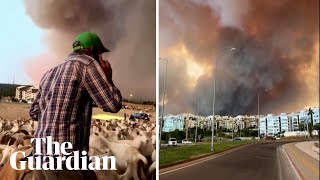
x=130, y=97
x=214, y=99
x=259, y=113
x=163, y=99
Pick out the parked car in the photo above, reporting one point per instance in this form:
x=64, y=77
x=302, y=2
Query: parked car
x=142, y=116
x=185, y=141
x=237, y=139
x=172, y=142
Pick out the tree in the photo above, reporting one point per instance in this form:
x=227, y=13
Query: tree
x=301, y=127
x=310, y=112
x=316, y=127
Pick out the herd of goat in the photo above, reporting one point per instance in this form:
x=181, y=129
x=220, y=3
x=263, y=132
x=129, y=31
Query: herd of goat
x=132, y=143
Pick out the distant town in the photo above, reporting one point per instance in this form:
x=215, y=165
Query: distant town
x=23, y=94
x=287, y=124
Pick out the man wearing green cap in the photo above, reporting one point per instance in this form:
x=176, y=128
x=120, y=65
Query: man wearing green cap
x=63, y=105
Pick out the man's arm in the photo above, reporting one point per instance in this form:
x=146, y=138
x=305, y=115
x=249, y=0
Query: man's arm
x=103, y=92
x=35, y=109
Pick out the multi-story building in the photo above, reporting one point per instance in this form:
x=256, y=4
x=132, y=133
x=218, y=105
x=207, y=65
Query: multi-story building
x=263, y=126
x=270, y=125
x=31, y=94
x=20, y=92
x=284, y=122
x=173, y=122
x=316, y=115
x=26, y=93
x=293, y=122
x=239, y=122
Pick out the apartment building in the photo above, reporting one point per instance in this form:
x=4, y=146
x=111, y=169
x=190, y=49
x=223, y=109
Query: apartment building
x=268, y=125
x=284, y=122
x=26, y=93
x=316, y=115
x=173, y=122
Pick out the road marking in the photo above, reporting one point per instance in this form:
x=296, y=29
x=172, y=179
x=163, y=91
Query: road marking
x=218, y=155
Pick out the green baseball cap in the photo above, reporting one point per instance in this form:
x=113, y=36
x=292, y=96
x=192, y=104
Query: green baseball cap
x=87, y=40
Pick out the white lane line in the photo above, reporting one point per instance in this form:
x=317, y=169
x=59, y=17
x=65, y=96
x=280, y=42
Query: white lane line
x=218, y=155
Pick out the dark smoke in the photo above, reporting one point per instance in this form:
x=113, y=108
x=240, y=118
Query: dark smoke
x=276, y=44
x=126, y=27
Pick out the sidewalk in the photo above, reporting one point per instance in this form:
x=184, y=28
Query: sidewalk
x=309, y=148
x=306, y=166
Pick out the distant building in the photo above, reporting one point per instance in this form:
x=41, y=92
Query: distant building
x=20, y=92
x=26, y=93
x=316, y=115
x=294, y=122
x=173, y=122
x=284, y=122
x=268, y=125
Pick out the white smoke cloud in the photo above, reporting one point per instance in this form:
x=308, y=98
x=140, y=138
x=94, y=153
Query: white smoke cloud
x=231, y=12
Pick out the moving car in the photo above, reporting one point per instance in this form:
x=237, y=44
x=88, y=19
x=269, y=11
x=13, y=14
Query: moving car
x=142, y=116
x=172, y=142
x=185, y=141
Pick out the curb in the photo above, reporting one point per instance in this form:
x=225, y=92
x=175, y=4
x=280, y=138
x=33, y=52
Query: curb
x=315, y=149
x=293, y=166
x=201, y=156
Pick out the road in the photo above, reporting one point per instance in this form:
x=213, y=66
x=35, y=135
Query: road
x=258, y=161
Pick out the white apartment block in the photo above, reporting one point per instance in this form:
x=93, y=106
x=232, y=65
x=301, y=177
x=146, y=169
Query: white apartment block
x=316, y=115
x=293, y=122
x=284, y=122
x=269, y=125
x=173, y=122
x=26, y=93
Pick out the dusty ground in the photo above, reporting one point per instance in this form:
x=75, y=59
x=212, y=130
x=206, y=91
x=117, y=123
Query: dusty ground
x=13, y=111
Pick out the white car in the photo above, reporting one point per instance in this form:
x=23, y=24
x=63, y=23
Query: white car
x=185, y=141
x=172, y=142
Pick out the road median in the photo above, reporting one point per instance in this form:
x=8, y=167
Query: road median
x=172, y=157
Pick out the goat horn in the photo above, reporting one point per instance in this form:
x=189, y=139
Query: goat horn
x=17, y=142
x=9, y=141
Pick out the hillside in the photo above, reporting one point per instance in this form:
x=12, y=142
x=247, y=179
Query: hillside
x=8, y=89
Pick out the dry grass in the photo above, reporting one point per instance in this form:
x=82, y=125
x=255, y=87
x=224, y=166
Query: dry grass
x=13, y=111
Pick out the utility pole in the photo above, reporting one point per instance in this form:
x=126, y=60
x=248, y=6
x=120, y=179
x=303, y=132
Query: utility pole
x=163, y=99
x=214, y=100
x=197, y=122
x=258, y=116
x=232, y=131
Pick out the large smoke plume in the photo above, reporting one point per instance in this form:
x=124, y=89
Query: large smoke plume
x=126, y=27
x=277, y=48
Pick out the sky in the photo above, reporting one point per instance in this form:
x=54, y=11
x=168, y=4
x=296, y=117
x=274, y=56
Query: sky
x=40, y=34
x=277, y=49
x=21, y=39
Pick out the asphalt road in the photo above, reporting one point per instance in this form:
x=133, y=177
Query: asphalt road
x=258, y=161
